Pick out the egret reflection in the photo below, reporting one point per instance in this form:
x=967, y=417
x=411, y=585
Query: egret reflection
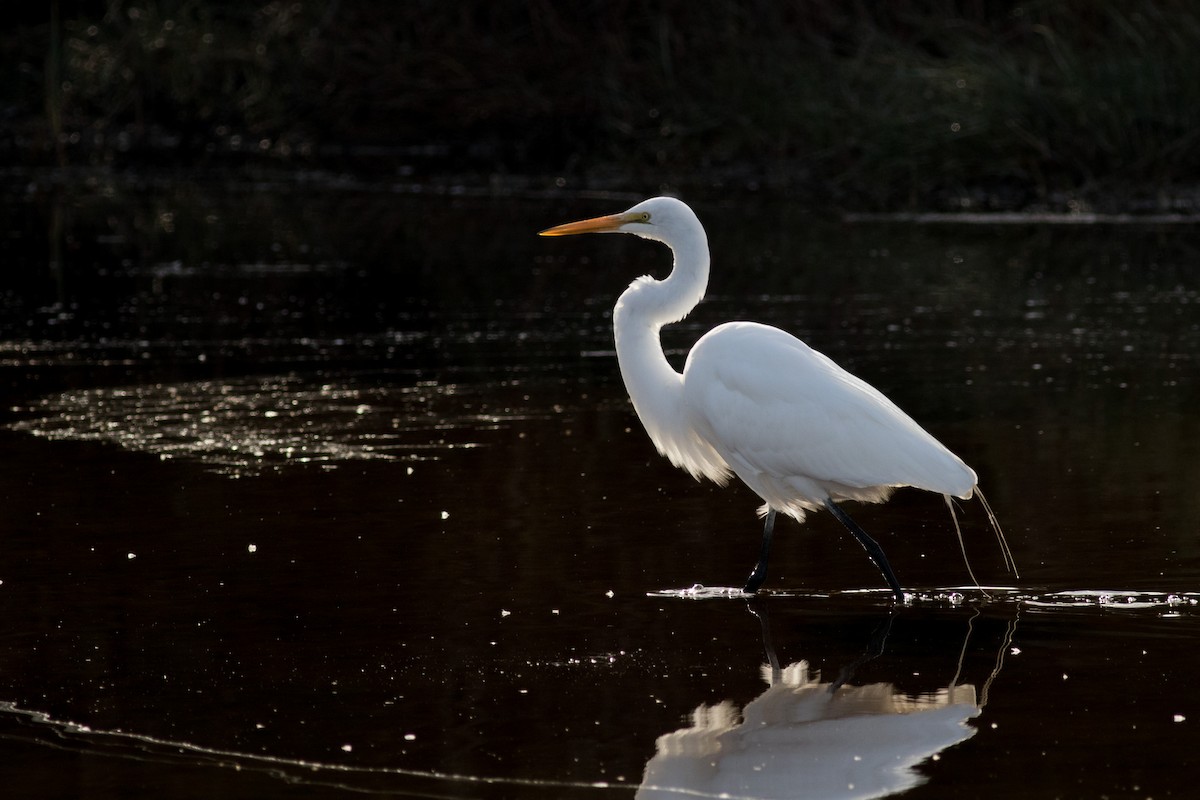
x=804, y=737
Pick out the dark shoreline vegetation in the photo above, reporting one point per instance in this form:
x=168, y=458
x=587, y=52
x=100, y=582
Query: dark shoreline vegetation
x=924, y=104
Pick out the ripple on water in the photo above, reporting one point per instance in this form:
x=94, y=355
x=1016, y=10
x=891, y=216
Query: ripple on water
x=249, y=426
x=1168, y=603
x=1172, y=602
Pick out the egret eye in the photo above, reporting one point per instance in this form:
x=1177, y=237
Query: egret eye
x=645, y=216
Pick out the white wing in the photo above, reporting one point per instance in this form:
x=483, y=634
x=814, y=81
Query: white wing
x=797, y=428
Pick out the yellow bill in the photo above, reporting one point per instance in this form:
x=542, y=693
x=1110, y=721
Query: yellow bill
x=606, y=224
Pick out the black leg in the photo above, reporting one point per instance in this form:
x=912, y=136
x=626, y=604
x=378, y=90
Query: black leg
x=760, y=569
x=874, y=650
x=758, y=607
x=870, y=545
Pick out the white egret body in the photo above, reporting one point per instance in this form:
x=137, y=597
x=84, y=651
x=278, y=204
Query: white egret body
x=757, y=402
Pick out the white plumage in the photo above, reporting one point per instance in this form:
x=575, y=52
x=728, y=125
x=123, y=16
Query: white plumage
x=757, y=402
x=798, y=429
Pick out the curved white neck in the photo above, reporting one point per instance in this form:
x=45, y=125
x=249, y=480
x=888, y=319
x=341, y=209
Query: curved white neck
x=644, y=308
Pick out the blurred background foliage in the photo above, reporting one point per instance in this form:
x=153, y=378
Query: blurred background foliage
x=914, y=103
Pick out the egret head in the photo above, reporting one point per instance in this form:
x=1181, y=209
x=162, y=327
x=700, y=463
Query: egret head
x=659, y=218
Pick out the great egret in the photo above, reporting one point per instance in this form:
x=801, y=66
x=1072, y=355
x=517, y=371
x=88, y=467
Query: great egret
x=757, y=402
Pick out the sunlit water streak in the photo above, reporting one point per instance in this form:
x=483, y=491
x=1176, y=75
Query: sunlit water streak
x=65, y=734
x=1025, y=218
x=953, y=596
x=249, y=426
x=1174, y=603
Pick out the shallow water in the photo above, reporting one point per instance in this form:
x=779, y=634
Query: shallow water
x=320, y=490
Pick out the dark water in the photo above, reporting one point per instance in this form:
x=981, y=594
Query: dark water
x=315, y=489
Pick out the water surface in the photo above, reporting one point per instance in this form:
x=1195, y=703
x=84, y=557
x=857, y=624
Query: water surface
x=319, y=490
